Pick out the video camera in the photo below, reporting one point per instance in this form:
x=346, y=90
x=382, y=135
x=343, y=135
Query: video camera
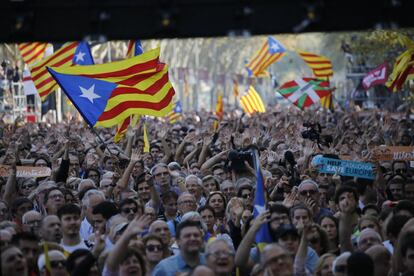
x=236, y=158
x=313, y=133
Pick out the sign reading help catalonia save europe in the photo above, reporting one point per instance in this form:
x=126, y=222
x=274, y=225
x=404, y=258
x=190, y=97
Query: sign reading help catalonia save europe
x=344, y=167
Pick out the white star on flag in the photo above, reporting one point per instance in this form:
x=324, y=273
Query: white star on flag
x=79, y=56
x=259, y=209
x=89, y=93
x=274, y=47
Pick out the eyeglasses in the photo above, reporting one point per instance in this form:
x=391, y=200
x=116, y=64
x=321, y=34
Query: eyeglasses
x=246, y=196
x=56, y=196
x=152, y=247
x=308, y=192
x=33, y=223
x=401, y=171
x=55, y=264
x=162, y=174
x=93, y=175
x=128, y=210
x=187, y=202
x=28, y=186
x=219, y=254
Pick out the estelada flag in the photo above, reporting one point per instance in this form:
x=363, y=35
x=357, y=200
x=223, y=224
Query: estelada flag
x=376, y=76
x=106, y=94
x=304, y=92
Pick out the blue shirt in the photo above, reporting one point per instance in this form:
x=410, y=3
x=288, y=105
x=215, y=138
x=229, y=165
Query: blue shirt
x=174, y=264
x=311, y=258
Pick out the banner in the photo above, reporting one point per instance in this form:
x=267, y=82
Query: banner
x=393, y=153
x=344, y=167
x=375, y=77
x=22, y=171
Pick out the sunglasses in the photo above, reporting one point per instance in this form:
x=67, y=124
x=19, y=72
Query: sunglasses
x=128, y=210
x=308, y=192
x=56, y=264
x=152, y=248
x=28, y=186
x=246, y=196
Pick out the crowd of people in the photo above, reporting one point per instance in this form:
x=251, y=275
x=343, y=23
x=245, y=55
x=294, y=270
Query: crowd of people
x=186, y=206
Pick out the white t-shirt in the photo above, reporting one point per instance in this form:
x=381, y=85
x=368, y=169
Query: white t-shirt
x=70, y=248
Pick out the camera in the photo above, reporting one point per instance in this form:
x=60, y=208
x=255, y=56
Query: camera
x=236, y=159
x=313, y=133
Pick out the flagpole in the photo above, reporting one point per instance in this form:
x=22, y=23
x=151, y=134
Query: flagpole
x=100, y=139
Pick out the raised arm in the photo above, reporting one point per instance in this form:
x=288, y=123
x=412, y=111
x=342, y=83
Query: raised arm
x=242, y=258
x=204, y=150
x=213, y=160
x=118, y=253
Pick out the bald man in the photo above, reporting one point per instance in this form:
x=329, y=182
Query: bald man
x=382, y=259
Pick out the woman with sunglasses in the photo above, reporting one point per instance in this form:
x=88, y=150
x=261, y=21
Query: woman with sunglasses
x=155, y=250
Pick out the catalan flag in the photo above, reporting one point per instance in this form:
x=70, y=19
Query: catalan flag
x=252, y=102
x=106, y=94
x=32, y=52
x=134, y=48
x=304, y=92
x=70, y=54
x=320, y=65
x=270, y=52
x=123, y=127
x=176, y=113
x=403, y=70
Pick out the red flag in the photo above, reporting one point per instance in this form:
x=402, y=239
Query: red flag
x=375, y=77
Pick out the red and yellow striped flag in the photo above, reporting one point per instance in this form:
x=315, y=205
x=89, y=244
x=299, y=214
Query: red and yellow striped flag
x=43, y=81
x=403, y=70
x=142, y=87
x=123, y=127
x=252, y=102
x=322, y=69
x=320, y=65
x=270, y=52
x=32, y=52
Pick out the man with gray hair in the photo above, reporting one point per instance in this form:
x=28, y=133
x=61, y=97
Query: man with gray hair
x=194, y=186
x=31, y=222
x=89, y=201
x=308, y=191
x=368, y=237
x=339, y=266
x=220, y=257
x=276, y=260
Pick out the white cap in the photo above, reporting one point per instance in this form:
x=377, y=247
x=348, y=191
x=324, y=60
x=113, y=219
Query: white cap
x=41, y=261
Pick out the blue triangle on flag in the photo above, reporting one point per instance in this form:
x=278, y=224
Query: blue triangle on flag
x=275, y=46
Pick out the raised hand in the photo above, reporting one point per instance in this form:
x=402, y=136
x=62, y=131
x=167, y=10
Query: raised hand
x=137, y=226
